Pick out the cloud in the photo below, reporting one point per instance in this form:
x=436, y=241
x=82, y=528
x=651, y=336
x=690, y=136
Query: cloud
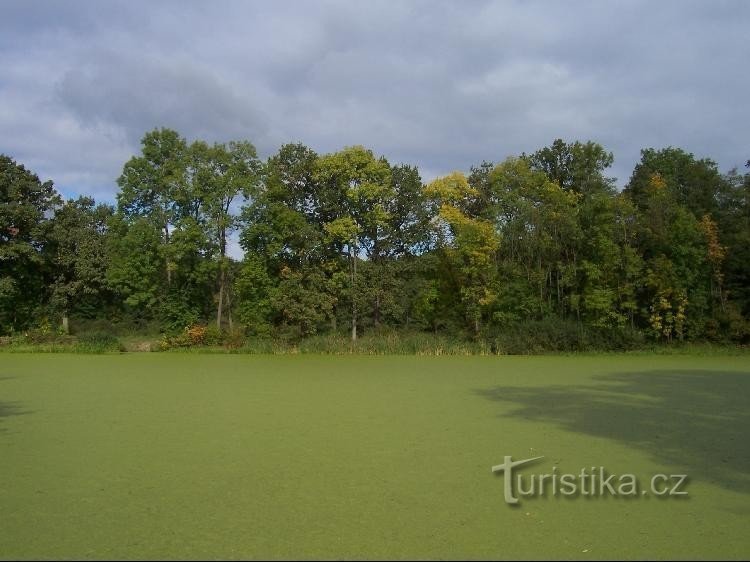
x=136, y=96
x=443, y=85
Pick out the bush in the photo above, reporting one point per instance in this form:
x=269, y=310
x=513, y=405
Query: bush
x=126, y=326
x=175, y=313
x=520, y=338
x=234, y=339
x=98, y=342
x=43, y=333
x=615, y=339
x=213, y=336
x=389, y=342
x=557, y=335
x=196, y=335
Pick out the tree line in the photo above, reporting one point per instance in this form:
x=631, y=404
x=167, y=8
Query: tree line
x=349, y=243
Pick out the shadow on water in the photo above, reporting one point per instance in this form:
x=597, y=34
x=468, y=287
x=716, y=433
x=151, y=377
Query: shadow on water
x=8, y=409
x=694, y=420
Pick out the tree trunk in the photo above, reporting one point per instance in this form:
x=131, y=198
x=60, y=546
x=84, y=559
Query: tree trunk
x=377, y=310
x=65, y=326
x=353, y=269
x=221, y=297
x=166, y=259
x=222, y=275
x=229, y=311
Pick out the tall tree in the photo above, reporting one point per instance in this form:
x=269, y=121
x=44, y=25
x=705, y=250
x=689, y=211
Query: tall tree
x=285, y=256
x=150, y=185
x=78, y=253
x=135, y=270
x=539, y=221
x=470, y=245
x=734, y=232
x=695, y=184
x=221, y=173
x=577, y=166
x=26, y=203
x=677, y=270
x=356, y=188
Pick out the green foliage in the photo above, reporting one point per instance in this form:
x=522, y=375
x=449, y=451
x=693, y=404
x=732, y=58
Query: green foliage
x=25, y=206
x=576, y=167
x=256, y=293
x=302, y=301
x=234, y=339
x=78, y=250
x=345, y=251
x=468, y=245
x=694, y=184
x=135, y=266
x=556, y=335
x=97, y=342
x=176, y=312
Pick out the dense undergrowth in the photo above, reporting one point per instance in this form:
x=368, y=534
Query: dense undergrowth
x=528, y=338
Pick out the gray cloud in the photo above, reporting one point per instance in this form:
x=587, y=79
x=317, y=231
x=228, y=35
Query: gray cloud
x=136, y=95
x=443, y=85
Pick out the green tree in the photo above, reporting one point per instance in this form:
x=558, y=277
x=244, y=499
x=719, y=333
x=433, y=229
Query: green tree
x=135, y=268
x=220, y=174
x=538, y=220
x=283, y=239
x=151, y=185
x=77, y=247
x=678, y=273
x=695, y=184
x=734, y=233
x=591, y=276
x=404, y=234
x=355, y=188
x=575, y=166
x=256, y=291
x=469, y=245
x=26, y=204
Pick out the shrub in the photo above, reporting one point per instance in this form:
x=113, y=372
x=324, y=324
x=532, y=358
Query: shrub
x=175, y=313
x=534, y=336
x=213, y=336
x=97, y=342
x=558, y=335
x=234, y=339
x=196, y=334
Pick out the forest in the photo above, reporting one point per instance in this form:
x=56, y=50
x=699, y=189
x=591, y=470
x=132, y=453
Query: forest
x=538, y=251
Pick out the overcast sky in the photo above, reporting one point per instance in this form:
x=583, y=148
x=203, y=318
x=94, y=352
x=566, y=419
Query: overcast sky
x=442, y=85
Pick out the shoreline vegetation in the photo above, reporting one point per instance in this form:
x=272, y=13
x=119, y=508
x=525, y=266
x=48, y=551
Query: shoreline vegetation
x=349, y=253
x=417, y=344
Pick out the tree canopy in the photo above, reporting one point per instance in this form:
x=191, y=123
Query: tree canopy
x=349, y=242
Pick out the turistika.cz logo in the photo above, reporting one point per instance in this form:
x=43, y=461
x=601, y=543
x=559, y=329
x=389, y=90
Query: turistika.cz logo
x=590, y=481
